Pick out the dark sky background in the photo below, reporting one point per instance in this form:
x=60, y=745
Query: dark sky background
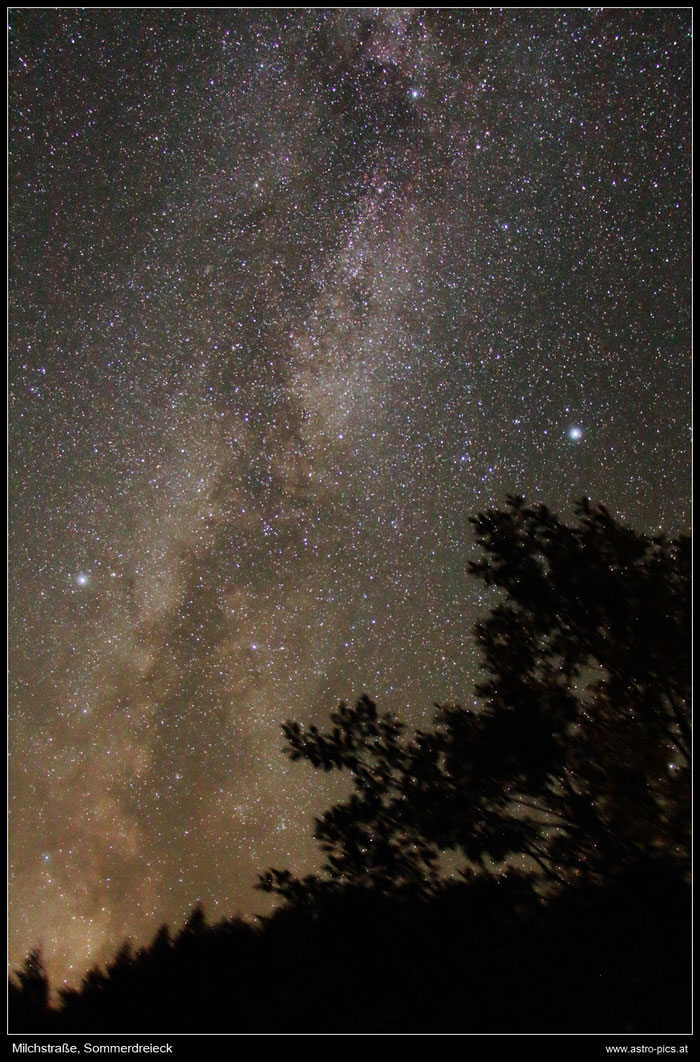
x=293, y=294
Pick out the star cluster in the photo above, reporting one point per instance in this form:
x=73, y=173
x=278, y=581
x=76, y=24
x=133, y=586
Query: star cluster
x=293, y=294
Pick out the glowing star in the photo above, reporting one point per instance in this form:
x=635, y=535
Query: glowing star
x=575, y=434
x=82, y=579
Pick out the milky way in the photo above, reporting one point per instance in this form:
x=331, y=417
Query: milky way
x=293, y=294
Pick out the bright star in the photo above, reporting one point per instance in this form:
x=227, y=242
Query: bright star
x=82, y=579
x=575, y=433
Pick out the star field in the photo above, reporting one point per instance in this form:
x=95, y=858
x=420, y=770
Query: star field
x=293, y=293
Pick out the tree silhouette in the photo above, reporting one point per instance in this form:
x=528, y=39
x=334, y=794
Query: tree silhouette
x=28, y=995
x=517, y=867
x=577, y=761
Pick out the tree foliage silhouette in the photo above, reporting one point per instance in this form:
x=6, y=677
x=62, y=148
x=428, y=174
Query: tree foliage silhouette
x=28, y=994
x=577, y=761
x=537, y=843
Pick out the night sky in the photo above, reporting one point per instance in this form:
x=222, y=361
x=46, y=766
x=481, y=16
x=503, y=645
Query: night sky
x=293, y=294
